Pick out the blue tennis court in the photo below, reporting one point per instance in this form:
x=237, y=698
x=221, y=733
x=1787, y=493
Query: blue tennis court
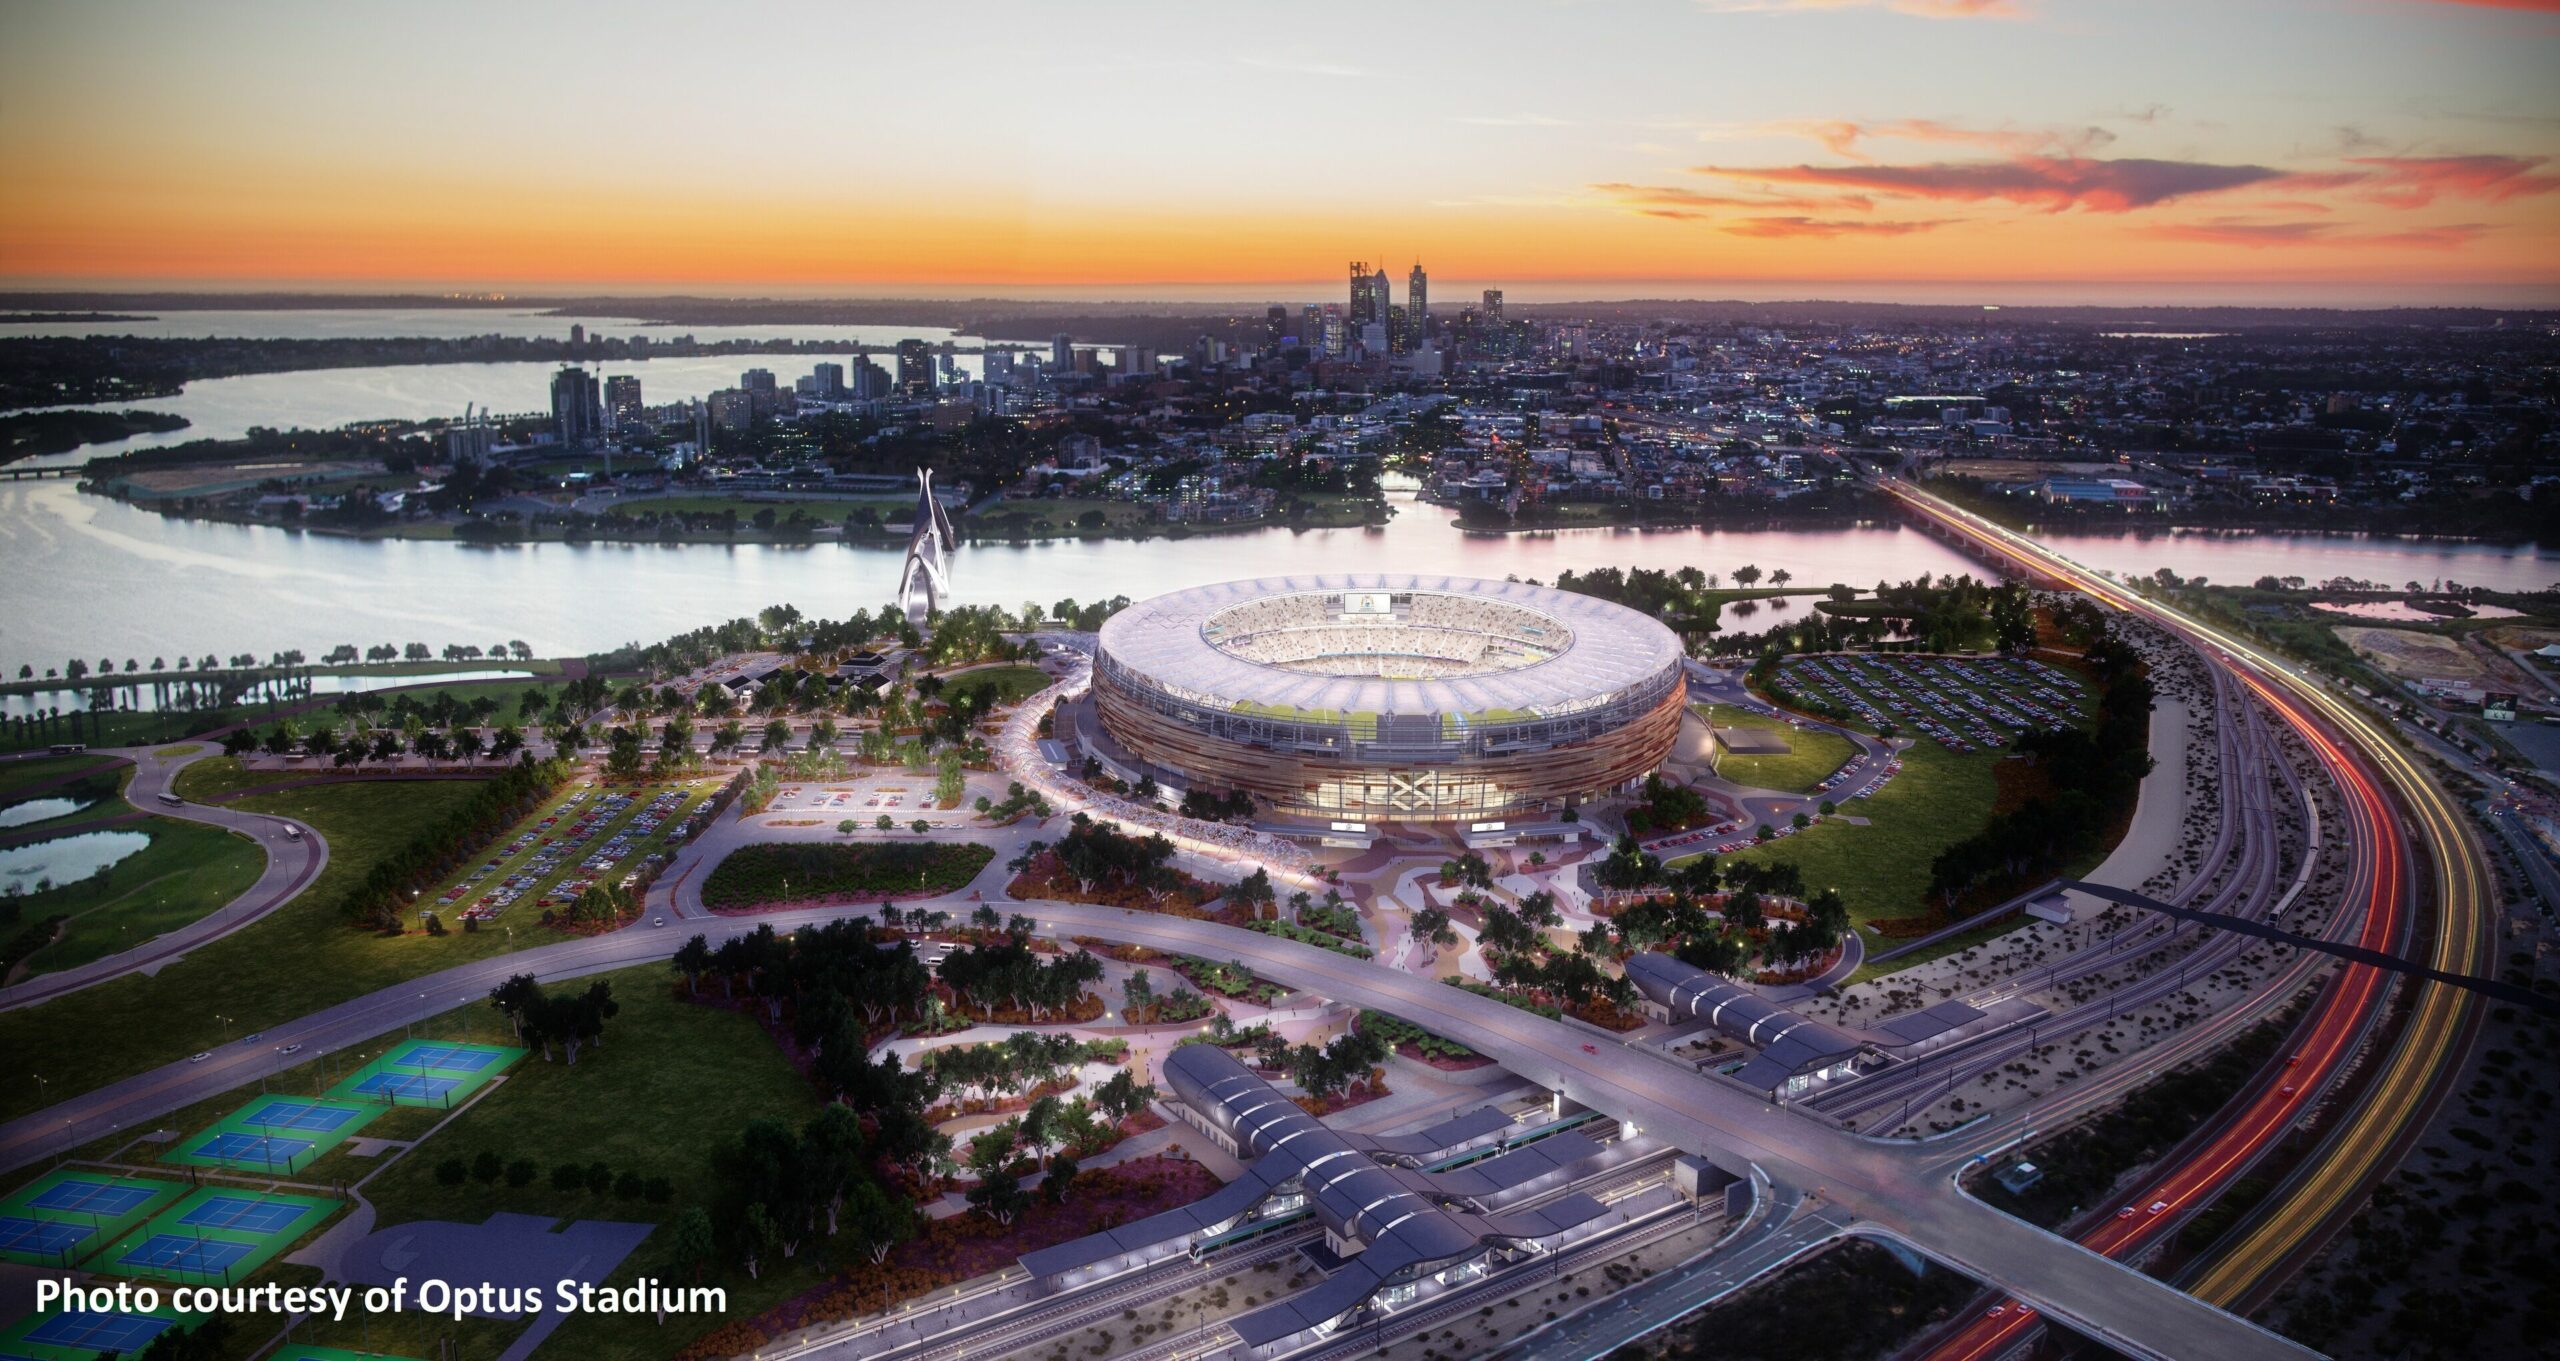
x=48, y=1237
x=105, y=1199
x=451, y=1058
x=99, y=1332
x=406, y=1086
x=253, y=1148
x=175, y=1252
x=298, y=1115
x=244, y=1214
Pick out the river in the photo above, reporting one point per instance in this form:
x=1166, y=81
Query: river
x=93, y=577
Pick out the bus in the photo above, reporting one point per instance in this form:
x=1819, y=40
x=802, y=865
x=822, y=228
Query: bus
x=69, y=748
x=172, y=800
x=291, y=832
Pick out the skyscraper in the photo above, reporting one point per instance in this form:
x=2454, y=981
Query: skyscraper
x=621, y=401
x=870, y=381
x=1417, y=306
x=1368, y=297
x=1493, y=307
x=1062, y=353
x=827, y=382
x=915, y=368
x=757, y=380
x=577, y=409
x=1275, y=326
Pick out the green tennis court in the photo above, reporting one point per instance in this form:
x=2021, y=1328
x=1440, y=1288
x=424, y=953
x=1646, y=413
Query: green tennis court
x=215, y=1235
x=274, y=1134
x=79, y=1335
x=427, y=1073
x=59, y=1217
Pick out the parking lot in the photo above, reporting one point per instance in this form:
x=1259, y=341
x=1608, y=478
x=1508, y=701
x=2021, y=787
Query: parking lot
x=1965, y=704
x=593, y=835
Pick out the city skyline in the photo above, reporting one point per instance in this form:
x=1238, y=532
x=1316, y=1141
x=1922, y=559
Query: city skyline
x=2368, y=150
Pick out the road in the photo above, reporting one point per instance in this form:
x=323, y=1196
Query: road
x=294, y=859
x=2371, y=769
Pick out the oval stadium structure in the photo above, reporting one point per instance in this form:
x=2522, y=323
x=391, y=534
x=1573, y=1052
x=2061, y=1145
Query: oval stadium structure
x=1355, y=699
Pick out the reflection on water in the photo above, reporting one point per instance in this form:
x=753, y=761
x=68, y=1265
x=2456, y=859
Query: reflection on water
x=139, y=691
x=84, y=576
x=65, y=859
x=38, y=810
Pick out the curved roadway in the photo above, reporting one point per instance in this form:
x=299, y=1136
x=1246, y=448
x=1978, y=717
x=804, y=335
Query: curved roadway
x=292, y=863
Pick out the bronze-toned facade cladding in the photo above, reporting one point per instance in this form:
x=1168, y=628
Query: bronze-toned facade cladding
x=1367, y=781
x=1568, y=697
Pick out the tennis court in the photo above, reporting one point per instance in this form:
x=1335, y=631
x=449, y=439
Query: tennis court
x=59, y=1215
x=252, y=1150
x=427, y=1073
x=186, y=1256
x=456, y=1058
x=87, y=1332
x=214, y=1232
x=47, y=1238
x=299, y=1115
x=274, y=1134
x=105, y=1199
x=409, y=1087
x=248, y=1214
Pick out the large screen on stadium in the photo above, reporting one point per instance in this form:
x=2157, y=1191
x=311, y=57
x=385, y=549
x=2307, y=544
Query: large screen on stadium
x=1367, y=604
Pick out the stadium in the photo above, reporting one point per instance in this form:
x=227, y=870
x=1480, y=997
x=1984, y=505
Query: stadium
x=1339, y=702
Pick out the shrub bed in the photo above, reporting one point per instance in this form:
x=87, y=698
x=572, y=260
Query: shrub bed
x=798, y=872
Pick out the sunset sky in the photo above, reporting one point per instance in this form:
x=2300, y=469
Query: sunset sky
x=1599, y=148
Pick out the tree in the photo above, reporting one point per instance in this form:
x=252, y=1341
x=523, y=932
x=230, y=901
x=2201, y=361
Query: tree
x=999, y=1197
x=1062, y=1176
x=1430, y=926
x=1745, y=575
x=1254, y=892
x=690, y=1241
x=1137, y=994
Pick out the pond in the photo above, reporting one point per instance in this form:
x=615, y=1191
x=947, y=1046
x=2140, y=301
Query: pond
x=39, y=810
x=66, y=859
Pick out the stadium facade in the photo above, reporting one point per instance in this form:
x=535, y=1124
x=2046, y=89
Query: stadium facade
x=1340, y=702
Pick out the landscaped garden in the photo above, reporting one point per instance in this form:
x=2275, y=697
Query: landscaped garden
x=1811, y=753
x=772, y=873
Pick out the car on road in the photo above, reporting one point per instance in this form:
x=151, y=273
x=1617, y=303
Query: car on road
x=288, y=1049
x=2125, y=1213
x=253, y=1038
x=1591, y=1049
x=2159, y=1205
x=658, y=921
x=1996, y=1311
x=199, y=1058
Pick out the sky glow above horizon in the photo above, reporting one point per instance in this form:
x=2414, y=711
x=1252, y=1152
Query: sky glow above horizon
x=2410, y=146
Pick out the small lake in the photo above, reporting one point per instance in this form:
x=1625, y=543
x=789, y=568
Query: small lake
x=38, y=810
x=66, y=859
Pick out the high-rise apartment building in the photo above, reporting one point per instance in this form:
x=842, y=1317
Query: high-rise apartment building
x=915, y=368
x=621, y=401
x=1493, y=307
x=1368, y=296
x=757, y=380
x=1062, y=353
x=1275, y=326
x=577, y=408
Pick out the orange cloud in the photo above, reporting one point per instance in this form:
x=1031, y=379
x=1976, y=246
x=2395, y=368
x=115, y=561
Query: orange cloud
x=1777, y=228
x=1841, y=136
x=2052, y=183
x=1663, y=200
x=2415, y=181
x=2228, y=231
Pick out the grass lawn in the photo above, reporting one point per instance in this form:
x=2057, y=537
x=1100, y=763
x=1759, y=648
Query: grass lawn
x=673, y=1081
x=540, y=666
x=298, y=959
x=824, y=509
x=1035, y=519
x=188, y=870
x=119, y=729
x=1813, y=754
x=18, y=776
x=1008, y=684
x=1883, y=868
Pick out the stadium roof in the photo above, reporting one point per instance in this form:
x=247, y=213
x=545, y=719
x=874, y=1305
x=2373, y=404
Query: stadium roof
x=1612, y=649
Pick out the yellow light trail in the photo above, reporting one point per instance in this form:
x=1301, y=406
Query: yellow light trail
x=2441, y=1013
